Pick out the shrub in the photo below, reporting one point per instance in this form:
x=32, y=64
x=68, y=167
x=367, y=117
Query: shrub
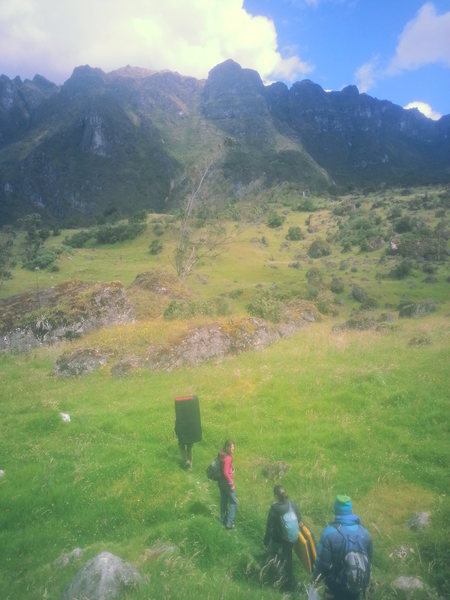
x=111, y=234
x=275, y=220
x=403, y=225
x=155, y=247
x=266, y=306
x=359, y=293
x=44, y=259
x=401, y=270
x=325, y=303
x=319, y=248
x=337, y=285
x=78, y=240
x=314, y=276
x=294, y=234
x=306, y=205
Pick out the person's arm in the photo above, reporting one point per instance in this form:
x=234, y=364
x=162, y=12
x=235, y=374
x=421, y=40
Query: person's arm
x=369, y=553
x=324, y=558
x=228, y=470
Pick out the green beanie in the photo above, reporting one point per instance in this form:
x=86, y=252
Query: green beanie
x=342, y=505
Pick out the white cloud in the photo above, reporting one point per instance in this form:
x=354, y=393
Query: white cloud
x=424, y=40
x=367, y=74
x=190, y=36
x=425, y=109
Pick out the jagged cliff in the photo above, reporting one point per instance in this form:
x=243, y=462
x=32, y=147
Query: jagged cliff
x=134, y=139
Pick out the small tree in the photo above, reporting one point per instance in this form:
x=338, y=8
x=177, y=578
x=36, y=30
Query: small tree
x=194, y=244
x=6, y=257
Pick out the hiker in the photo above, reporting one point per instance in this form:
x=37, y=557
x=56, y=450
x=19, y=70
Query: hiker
x=344, y=556
x=228, y=501
x=188, y=428
x=281, y=534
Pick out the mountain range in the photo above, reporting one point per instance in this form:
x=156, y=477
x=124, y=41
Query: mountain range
x=135, y=139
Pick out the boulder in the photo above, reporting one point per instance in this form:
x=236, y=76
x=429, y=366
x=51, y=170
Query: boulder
x=80, y=361
x=68, y=557
x=408, y=583
x=102, y=578
x=419, y=521
x=417, y=309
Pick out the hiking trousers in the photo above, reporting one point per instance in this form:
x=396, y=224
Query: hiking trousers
x=228, y=504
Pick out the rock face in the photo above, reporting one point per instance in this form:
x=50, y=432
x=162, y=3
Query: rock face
x=103, y=578
x=212, y=341
x=63, y=312
x=100, y=140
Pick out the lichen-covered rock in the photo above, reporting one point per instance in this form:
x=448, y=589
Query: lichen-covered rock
x=419, y=521
x=103, y=578
x=79, y=362
x=211, y=341
x=69, y=557
x=63, y=312
x=408, y=583
x=417, y=309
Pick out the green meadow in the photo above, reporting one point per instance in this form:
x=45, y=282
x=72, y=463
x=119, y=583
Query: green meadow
x=329, y=410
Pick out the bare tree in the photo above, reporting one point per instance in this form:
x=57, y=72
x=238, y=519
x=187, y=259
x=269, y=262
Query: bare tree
x=194, y=244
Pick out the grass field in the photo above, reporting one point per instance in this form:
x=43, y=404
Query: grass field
x=357, y=412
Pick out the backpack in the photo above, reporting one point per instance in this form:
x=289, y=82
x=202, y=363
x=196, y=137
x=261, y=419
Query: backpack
x=289, y=525
x=354, y=571
x=214, y=469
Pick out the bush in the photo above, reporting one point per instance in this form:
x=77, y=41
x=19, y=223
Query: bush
x=306, y=205
x=111, y=234
x=325, y=303
x=266, y=306
x=403, y=225
x=401, y=270
x=359, y=294
x=314, y=276
x=275, y=220
x=294, y=234
x=182, y=309
x=319, y=248
x=78, y=240
x=155, y=247
x=44, y=259
x=337, y=285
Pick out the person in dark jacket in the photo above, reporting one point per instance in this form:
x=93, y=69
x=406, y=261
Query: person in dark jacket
x=280, y=549
x=228, y=500
x=330, y=554
x=188, y=428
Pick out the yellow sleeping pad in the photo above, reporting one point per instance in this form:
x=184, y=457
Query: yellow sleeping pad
x=305, y=547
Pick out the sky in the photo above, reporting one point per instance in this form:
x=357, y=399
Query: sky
x=397, y=50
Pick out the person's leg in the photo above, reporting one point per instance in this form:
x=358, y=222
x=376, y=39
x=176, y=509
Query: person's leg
x=223, y=503
x=182, y=449
x=288, y=566
x=232, y=508
x=189, y=456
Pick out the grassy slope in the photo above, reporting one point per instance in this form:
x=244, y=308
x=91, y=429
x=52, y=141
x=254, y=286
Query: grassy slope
x=356, y=412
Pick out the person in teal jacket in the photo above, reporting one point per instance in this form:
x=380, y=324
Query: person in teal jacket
x=344, y=555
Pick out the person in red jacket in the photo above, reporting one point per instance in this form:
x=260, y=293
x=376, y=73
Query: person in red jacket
x=228, y=501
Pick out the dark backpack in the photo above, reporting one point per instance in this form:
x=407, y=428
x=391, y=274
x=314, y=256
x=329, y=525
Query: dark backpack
x=214, y=469
x=354, y=572
x=289, y=525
